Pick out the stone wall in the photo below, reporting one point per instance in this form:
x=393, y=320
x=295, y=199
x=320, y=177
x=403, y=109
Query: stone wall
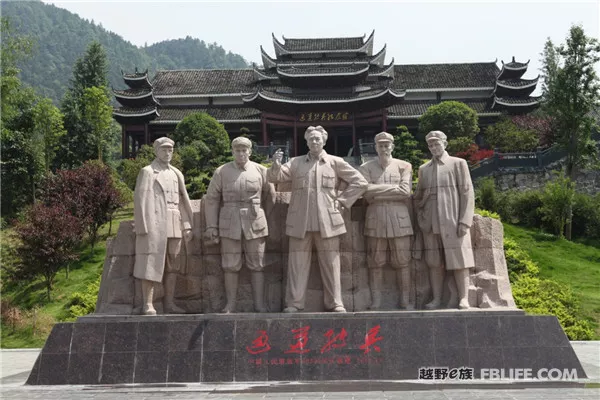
x=586, y=182
x=201, y=289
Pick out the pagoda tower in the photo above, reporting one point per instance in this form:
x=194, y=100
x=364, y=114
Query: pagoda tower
x=138, y=108
x=512, y=93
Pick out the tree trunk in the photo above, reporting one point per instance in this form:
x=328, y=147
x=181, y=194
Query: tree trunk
x=110, y=225
x=571, y=172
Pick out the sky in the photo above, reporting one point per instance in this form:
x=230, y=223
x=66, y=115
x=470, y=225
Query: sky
x=415, y=32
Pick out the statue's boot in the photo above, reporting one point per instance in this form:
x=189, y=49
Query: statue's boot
x=147, y=297
x=436, y=280
x=258, y=291
x=403, y=280
x=461, y=276
x=231, y=287
x=169, y=302
x=376, y=283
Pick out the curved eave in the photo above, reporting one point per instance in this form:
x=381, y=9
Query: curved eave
x=531, y=83
x=533, y=102
x=386, y=92
x=268, y=62
x=136, y=115
x=261, y=76
x=379, y=58
x=387, y=72
x=125, y=99
x=511, y=68
x=332, y=74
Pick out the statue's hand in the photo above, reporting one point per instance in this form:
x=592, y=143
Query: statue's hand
x=212, y=234
x=188, y=235
x=277, y=157
x=462, y=230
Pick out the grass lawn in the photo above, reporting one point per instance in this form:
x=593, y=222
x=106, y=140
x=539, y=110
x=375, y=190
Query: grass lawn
x=571, y=263
x=30, y=296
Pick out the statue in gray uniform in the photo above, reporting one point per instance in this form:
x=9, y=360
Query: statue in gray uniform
x=162, y=217
x=235, y=216
x=445, y=203
x=387, y=223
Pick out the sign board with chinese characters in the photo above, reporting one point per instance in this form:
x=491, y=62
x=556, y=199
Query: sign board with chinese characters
x=324, y=116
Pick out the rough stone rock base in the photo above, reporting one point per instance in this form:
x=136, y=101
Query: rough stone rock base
x=298, y=347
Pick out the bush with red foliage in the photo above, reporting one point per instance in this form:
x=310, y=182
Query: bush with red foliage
x=543, y=126
x=474, y=154
x=89, y=193
x=49, y=236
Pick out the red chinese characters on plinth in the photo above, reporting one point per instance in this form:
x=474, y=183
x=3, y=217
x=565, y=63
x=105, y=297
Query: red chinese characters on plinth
x=333, y=341
x=371, y=338
x=260, y=344
x=301, y=336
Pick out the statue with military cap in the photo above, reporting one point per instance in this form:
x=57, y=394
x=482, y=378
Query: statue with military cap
x=235, y=216
x=445, y=204
x=162, y=218
x=388, y=227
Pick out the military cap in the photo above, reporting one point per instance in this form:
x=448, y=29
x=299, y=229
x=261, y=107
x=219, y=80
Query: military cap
x=163, y=141
x=384, y=137
x=436, y=135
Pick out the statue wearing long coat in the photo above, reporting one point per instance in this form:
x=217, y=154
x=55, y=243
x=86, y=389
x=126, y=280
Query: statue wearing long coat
x=150, y=217
x=455, y=204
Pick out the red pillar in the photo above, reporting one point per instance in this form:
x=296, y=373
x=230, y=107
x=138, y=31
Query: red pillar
x=384, y=119
x=146, y=135
x=264, y=131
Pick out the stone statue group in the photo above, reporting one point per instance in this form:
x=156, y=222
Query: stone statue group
x=322, y=185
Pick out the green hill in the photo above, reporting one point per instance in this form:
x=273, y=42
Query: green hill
x=61, y=37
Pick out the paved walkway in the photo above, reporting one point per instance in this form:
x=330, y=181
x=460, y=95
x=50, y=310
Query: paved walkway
x=15, y=366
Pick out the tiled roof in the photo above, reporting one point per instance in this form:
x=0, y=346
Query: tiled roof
x=207, y=81
x=323, y=44
x=324, y=70
x=134, y=111
x=430, y=76
x=418, y=107
x=518, y=100
x=135, y=75
x=326, y=61
x=514, y=64
x=271, y=93
x=221, y=114
x=517, y=83
x=133, y=92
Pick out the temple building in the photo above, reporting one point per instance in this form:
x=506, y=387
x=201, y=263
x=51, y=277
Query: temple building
x=340, y=83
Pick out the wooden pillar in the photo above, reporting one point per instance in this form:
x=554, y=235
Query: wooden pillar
x=124, y=143
x=295, y=143
x=384, y=119
x=146, y=135
x=354, y=143
x=264, y=131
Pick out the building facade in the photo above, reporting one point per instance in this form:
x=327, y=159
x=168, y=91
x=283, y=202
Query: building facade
x=340, y=83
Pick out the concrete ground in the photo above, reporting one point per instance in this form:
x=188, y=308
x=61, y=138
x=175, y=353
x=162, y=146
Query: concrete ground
x=16, y=364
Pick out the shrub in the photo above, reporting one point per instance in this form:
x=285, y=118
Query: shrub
x=461, y=145
x=81, y=304
x=486, y=196
x=557, y=201
x=525, y=207
x=507, y=136
x=131, y=167
x=586, y=216
x=406, y=148
x=486, y=213
x=454, y=118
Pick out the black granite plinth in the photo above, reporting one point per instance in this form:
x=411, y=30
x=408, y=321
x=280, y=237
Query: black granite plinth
x=100, y=349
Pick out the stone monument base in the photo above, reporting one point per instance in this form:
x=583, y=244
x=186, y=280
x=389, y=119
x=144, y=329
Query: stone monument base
x=304, y=347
